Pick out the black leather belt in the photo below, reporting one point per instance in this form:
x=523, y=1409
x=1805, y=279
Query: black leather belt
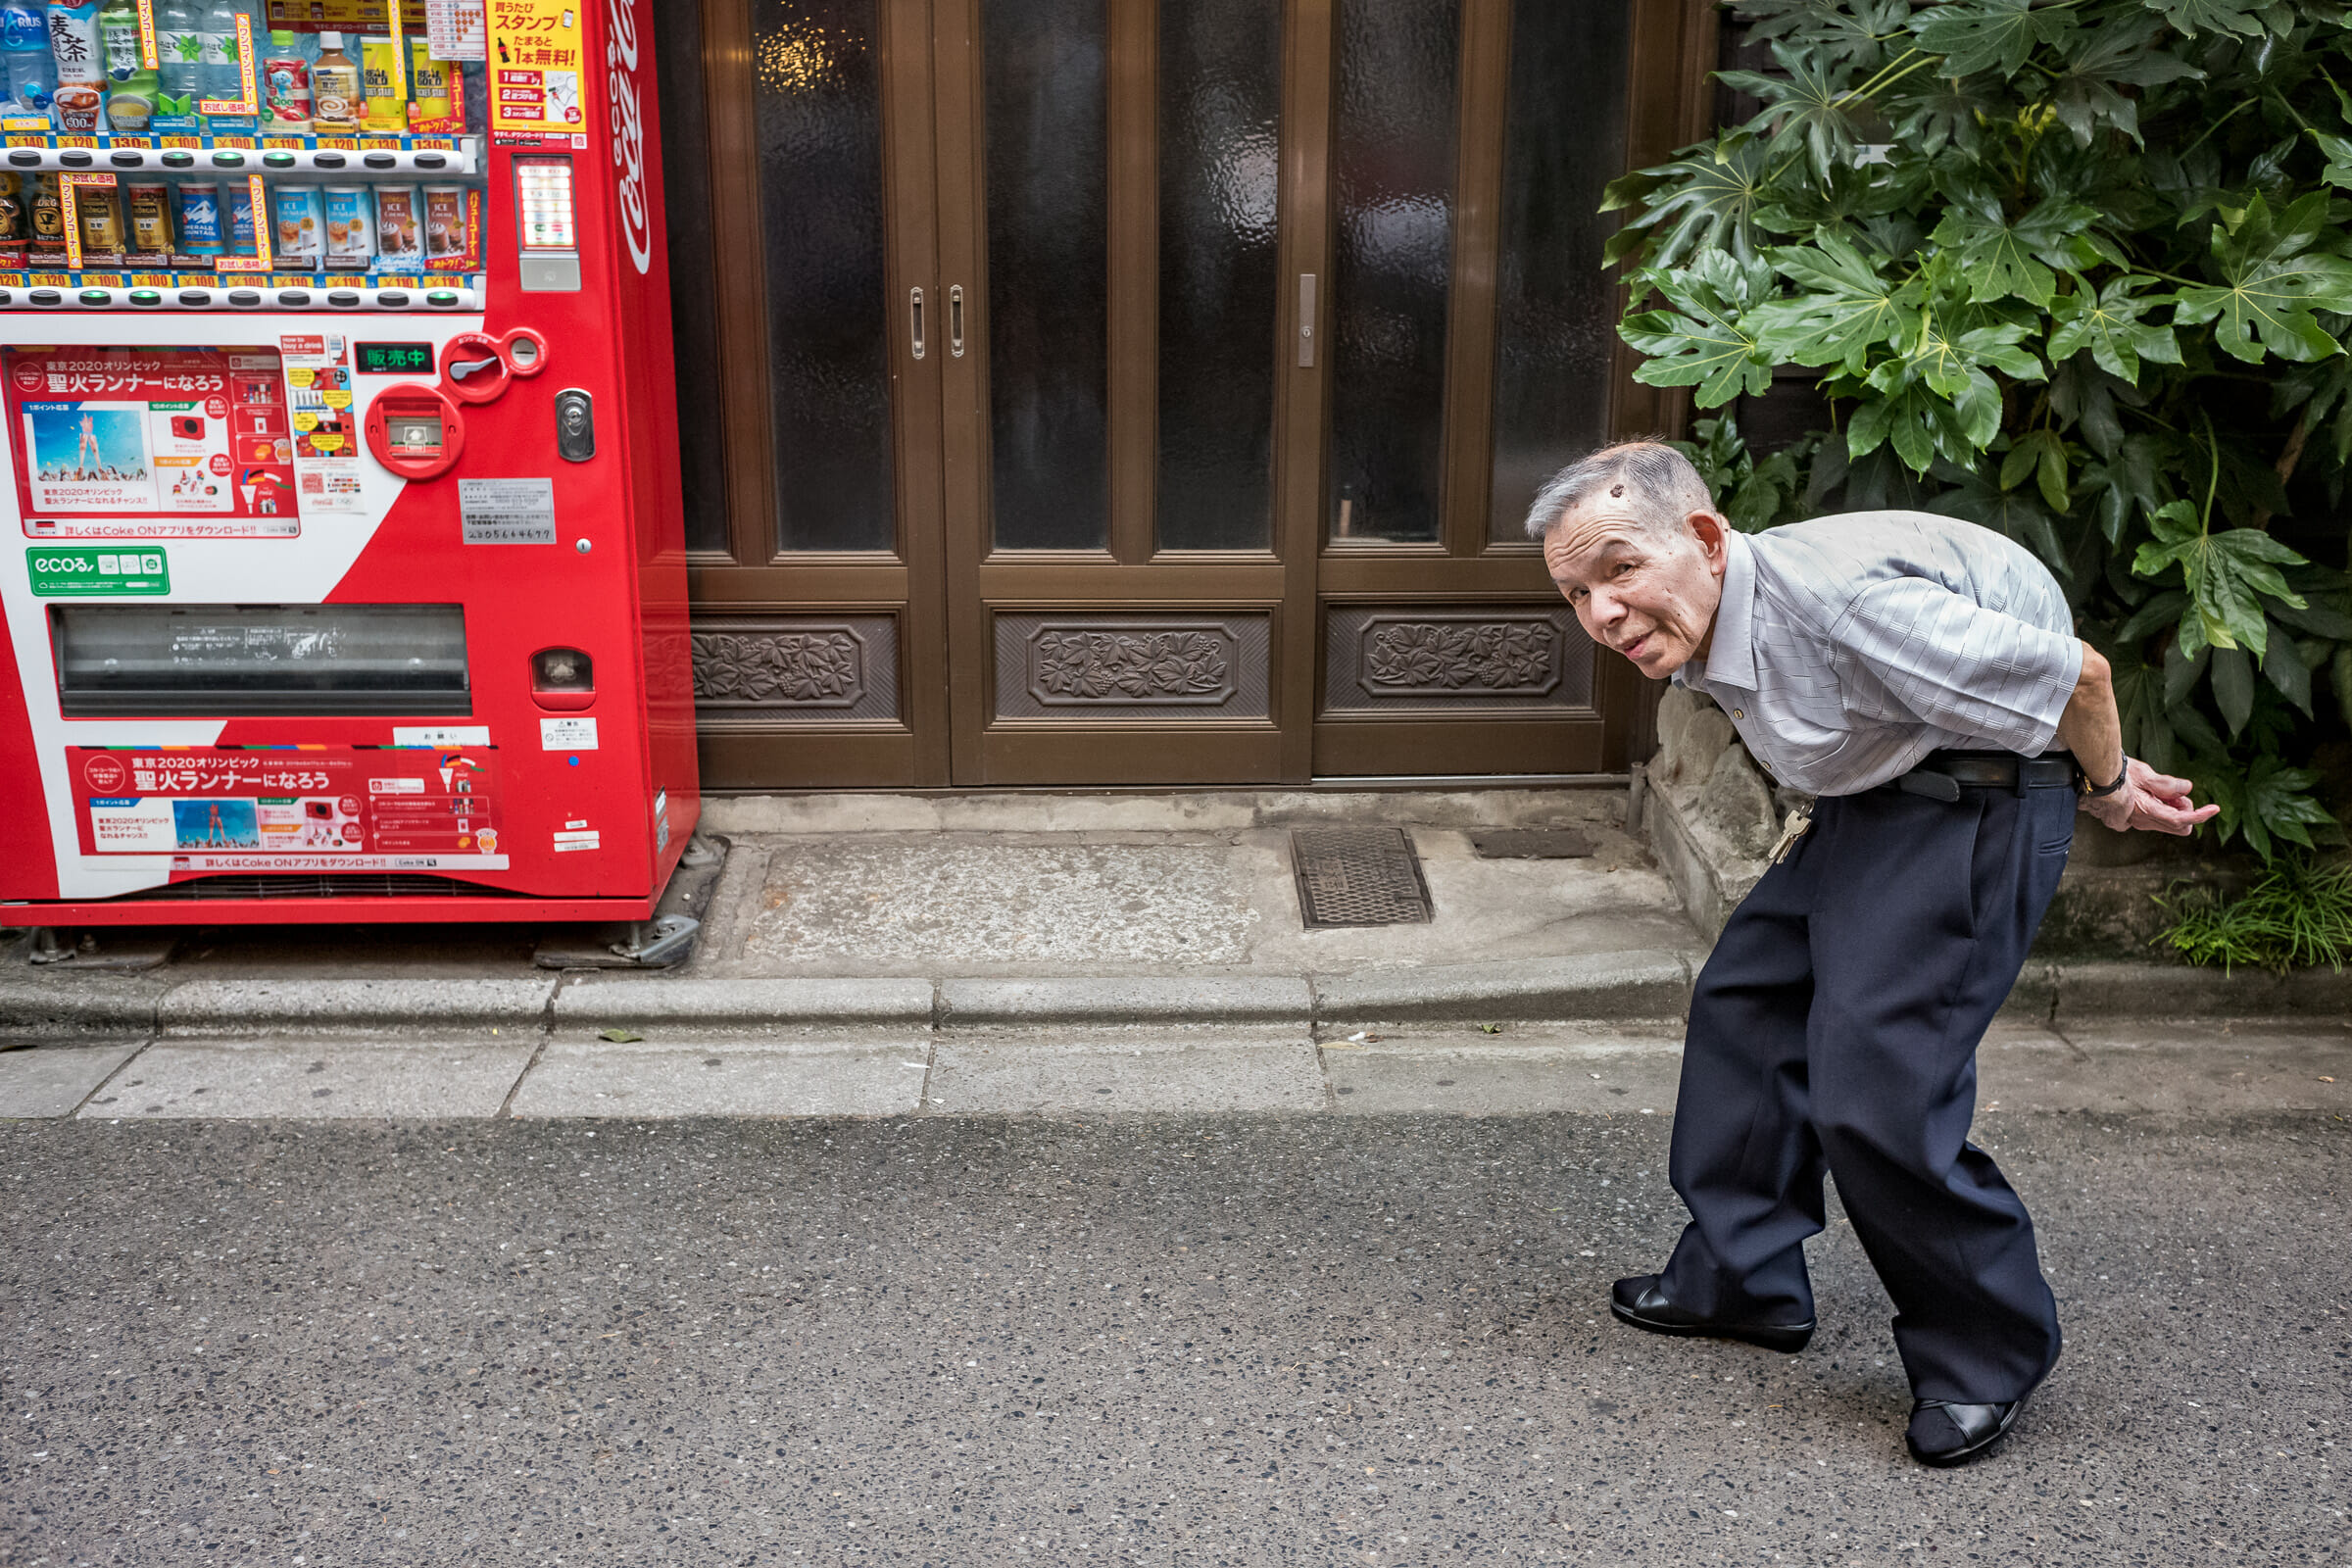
x=1944, y=774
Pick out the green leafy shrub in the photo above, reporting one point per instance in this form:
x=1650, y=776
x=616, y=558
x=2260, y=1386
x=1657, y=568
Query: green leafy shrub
x=2300, y=913
x=2081, y=272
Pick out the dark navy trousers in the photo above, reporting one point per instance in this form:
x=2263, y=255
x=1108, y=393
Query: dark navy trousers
x=1835, y=1027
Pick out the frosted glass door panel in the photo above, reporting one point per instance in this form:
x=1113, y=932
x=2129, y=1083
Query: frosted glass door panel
x=818, y=110
x=1393, y=162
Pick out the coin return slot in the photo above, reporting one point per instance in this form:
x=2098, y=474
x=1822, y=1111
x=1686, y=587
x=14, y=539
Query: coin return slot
x=224, y=661
x=413, y=435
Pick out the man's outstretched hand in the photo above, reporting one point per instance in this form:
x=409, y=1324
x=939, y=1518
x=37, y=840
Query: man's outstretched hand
x=2149, y=801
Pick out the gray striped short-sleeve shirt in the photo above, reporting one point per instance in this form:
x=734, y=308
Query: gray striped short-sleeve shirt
x=1848, y=648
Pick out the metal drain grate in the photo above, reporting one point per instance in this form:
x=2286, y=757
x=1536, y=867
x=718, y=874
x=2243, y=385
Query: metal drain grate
x=1532, y=844
x=1357, y=876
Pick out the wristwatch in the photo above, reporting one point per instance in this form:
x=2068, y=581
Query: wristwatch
x=2094, y=791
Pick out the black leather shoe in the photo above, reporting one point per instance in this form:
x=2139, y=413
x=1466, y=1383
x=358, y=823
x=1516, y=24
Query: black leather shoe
x=1639, y=1300
x=1943, y=1433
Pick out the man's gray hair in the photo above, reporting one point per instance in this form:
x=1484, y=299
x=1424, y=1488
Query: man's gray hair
x=1656, y=484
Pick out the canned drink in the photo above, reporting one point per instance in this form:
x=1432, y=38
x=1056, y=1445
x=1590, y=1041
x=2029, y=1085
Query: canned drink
x=350, y=228
x=380, y=69
x=399, y=229
x=200, y=218
x=150, y=205
x=48, y=213
x=444, y=222
x=11, y=211
x=100, y=211
x=301, y=226
x=429, y=80
x=242, y=220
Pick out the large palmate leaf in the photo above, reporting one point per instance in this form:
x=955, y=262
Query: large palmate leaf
x=1700, y=339
x=2227, y=574
x=2007, y=258
x=1975, y=35
x=2139, y=703
x=1844, y=307
x=2125, y=486
x=2111, y=324
x=2249, y=19
x=2042, y=457
x=1852, y=33
x=2273, y=281
x=2269, y=798
x=2015, y=512
x=1709, y=204
x=1940, y=399
x=2121, y=52
x=1807, y=108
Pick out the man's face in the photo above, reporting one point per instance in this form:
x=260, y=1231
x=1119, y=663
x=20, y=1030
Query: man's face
x=1649, y=595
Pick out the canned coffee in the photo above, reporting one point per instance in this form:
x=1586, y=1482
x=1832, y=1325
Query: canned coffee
x=301, y=228
x=399, y=229
x=150, y=205
x=243, y=233
x=444, y=222
x=350, y=228
x=200, y=218
x=100, y=212
x=48, y=213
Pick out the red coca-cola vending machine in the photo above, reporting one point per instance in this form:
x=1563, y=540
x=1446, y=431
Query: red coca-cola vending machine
x=350, y=579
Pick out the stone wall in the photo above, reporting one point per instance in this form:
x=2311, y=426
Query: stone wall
x=1711, y=814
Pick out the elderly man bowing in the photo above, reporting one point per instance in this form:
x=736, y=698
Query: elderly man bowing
x=1915, y=673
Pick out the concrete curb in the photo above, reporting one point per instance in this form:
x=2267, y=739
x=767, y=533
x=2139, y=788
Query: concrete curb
x=238, y=1006
x=1150, y=999
x=1641, y=983
x=1645, y=983
x=2093, y=993
x=79, y=1006
x=600, y=1001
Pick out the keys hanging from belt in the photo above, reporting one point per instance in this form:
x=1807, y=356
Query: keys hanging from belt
x=1790, y=831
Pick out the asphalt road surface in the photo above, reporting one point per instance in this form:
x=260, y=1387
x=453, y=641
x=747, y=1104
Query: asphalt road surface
x=1188, y=1340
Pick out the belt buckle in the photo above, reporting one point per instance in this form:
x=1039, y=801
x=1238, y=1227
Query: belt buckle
x=1930, y=784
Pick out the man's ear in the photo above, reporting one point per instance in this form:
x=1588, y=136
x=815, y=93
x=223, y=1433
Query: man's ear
x=1709, y=529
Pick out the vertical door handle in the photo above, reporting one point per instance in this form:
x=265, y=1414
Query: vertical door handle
x=914, y=301
x=1306, y=320
x=956, y=321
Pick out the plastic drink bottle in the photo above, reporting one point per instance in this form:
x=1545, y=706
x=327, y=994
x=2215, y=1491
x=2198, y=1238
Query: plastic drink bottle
x=178, y=47
x=285, y=85
x=130, y=87
x=223, y=74
x=336, y=101
x=118, y=38
x=80, y=65
x=31, y=72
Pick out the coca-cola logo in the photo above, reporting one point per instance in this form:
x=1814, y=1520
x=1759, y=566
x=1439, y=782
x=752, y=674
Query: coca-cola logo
x=629, y=130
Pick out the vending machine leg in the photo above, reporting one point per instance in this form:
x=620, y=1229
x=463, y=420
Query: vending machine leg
x=661, y=943
x=119, y=950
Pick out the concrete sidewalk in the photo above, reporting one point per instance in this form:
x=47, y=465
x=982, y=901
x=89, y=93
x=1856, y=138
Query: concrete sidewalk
x=920, y=914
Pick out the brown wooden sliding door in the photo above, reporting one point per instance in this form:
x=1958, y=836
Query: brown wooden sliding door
x=1147, y=391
